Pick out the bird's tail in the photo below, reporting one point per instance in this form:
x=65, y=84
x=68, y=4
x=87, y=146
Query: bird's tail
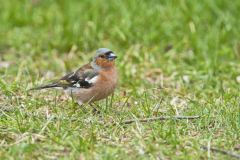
x=52, y=85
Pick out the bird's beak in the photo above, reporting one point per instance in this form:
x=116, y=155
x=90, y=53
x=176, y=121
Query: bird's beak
x=112, y=56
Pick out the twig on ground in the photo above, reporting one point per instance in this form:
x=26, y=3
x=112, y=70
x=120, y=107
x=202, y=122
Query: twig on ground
x=158, y=118
x=229, y=153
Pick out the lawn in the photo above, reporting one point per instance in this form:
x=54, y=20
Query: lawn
x=176, y=58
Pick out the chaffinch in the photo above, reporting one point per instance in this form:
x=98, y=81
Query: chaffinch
x=91, y=82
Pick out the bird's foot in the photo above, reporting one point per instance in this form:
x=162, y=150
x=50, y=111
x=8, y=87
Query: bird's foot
x=95, y=111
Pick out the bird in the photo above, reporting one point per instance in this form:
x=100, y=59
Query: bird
x=92, y=82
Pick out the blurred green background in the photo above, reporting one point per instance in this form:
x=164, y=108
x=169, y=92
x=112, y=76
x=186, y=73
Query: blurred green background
x=188, y=50
x=203, y=35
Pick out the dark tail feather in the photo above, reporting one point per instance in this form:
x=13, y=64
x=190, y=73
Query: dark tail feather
x=52, y=85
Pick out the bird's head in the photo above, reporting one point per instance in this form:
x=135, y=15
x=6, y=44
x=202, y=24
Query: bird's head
x=104, y=58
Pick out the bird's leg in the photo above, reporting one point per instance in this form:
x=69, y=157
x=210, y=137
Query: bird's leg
x=80, y=103
x=82, y=106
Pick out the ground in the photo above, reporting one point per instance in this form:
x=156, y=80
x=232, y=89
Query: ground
x=175, y=58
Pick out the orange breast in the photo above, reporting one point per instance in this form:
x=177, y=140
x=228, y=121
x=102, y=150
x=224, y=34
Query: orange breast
x=102, y=62
x=106, y=84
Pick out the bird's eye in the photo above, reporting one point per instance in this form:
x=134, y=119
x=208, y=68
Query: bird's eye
x=107, y=53
x=102, y=56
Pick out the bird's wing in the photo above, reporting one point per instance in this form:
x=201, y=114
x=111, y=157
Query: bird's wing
x=84, y=77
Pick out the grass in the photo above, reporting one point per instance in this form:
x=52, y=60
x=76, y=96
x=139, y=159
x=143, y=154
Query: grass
x=175, y=58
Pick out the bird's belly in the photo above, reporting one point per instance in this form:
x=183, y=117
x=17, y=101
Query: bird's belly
x=80, y=94
x=91, y=94
x=102, y=93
